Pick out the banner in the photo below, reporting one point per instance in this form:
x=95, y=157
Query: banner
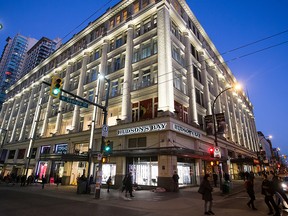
x=220, y=118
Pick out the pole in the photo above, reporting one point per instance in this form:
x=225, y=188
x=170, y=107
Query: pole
x=92, y=135
x=99, y=173
x=215, y=132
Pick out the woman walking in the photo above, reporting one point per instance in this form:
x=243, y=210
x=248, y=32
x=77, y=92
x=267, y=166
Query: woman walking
x=206, y=190
x=250, y=190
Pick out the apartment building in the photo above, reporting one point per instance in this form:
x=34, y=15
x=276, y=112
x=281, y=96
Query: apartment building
x=165, y=74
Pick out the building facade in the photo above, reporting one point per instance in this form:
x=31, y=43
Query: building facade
x=12, y=61
x=39, y=52
x=165, y=74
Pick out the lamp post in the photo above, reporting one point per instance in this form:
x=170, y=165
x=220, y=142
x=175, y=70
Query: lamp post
x=99, y=172
x=214, y=124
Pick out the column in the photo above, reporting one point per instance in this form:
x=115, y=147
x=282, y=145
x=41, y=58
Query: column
x=239, y=110
x=206, y=92
x=21, y=102
x=192, y=111
x=235, y=120
x=247, y=131
x=100, y=89
x=12, y=113
x=62, y=103
x=3, y=112
x=76, y=112
x=46, y=115
x=165, y=70
x=126, y=97
x=228, y=118
x=8, y=105
x=27, y=113
x=216, y=89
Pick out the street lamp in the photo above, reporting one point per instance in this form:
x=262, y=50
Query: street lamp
x=104, y=127
x=236, y=87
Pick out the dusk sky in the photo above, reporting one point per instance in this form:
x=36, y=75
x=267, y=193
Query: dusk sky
x=261, y=67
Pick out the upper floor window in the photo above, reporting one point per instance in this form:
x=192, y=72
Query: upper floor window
x=199, y=97
x=136, y=7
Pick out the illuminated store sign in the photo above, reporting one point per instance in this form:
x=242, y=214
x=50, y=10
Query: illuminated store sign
x=142, y=129
x=186, y=131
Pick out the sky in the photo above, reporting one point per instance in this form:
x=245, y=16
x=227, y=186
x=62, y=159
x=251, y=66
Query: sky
x=260, y=27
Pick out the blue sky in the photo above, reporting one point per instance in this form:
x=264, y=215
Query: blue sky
x=229, y=24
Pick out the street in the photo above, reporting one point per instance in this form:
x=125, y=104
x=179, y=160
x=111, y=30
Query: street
x=63, y=200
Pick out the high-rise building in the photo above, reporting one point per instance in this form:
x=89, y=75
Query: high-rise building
x=39, y=52
x=12, y=61
x=163, y=74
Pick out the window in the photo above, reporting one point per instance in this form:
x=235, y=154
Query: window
x=135, y=81
x=136, y=6
x=145, y=3
x=11, y=154
x=91, y=95
x=147, y=25
x=146, y=81
x=112, y=46
x=199, y=97
x=146, y=51
x=177, y=80
x=111, y=24
x=139, y=142
x=45, y=149
x=124, y=15
x=119, y=41
x=117, y=63
x=114, y=89
x=21, y=153
x=97, y=54
x=118, y=19
x=197, y=73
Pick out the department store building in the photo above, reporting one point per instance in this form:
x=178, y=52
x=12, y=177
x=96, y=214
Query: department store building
x=164, y=74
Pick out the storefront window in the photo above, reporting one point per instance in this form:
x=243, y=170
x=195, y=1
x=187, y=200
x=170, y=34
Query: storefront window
x=108, y=170
x=144, y=171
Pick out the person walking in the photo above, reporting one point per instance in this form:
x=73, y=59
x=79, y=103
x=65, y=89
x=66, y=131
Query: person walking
x=268, y=192
x=206, y=190
x=175, y=178
x=129, y=184
x=250, y=190
x=280, y=194
x=109, y=183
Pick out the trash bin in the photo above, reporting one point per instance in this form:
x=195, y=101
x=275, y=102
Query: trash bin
x=81, y=187
x=225, y=187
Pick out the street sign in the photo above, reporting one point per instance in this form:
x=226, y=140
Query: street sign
x=73, y=101
x=217, y=152
x=104, y=130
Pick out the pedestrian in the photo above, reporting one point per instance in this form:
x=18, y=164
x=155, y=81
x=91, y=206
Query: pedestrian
x=23, y=180
x=206, y=190
x=44, y=181
x=250, y=190
x=175, y=178
x=109, y=183
x=129, y=184
x=215, y=179
x=268, y=192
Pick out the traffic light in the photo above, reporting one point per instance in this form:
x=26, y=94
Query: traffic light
x=55, y=89
x=107, y=148
x=211, y=151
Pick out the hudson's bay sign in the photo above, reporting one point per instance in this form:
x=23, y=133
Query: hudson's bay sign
x=142, y=129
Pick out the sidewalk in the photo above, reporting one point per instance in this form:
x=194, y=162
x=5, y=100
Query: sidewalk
x=187, y=201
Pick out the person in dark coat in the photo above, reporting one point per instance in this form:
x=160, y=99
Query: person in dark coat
x=109, y=183
x=129, y=184
x=250, y=190
x=268, y=191
x=175, y=178
x=206, y=191
x=278, y=188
